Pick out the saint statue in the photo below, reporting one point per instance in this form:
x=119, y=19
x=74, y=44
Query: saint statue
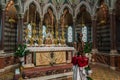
x=66, y=18
x=49, y=18
x=102, y=13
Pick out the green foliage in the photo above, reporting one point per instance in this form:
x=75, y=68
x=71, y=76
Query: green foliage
x=21, y=51
x=87, y=68
x=88, y=78
x=87, y=47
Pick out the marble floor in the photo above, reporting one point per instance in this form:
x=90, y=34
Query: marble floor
x=104, y=73
x=100, y=72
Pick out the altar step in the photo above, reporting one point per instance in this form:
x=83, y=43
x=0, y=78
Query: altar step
x=43, y=73
x=62, y=76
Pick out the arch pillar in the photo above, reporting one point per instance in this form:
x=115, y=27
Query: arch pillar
x=2, y=31
x=113, y=50
x=74, y=29
x=94, y=39
x=20, y=28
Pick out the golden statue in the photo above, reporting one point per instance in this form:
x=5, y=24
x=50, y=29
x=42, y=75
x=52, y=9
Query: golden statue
x=63, y=37
x=34, y=33
x=40, y=41
x=26, y=32
x=56, y=38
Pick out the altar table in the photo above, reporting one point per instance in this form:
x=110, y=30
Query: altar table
x=49, y=56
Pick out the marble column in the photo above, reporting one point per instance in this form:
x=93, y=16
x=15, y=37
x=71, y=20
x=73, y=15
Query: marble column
x=2, y=31
x=113, y=32
x=20, y=29
x=113, y=50
x=94, y=35
x=74, y=33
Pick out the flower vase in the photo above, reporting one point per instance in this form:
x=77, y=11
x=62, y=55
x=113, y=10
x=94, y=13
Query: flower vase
x=21, y=60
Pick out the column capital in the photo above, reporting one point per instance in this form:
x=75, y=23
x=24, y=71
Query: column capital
x=111, y=10
x=74, y=19
x=93, y=17
x=41, y=17
x=20, y=15
x=3, y=9
x=58, y=21
x=3, y=5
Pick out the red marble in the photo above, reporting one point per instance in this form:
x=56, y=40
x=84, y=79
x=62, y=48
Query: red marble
x=47, y=70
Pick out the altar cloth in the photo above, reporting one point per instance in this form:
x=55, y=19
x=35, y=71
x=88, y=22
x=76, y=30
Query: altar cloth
x=37, y=49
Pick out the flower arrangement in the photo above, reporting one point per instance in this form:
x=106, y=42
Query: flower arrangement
x=21, y=51
x=87, y=47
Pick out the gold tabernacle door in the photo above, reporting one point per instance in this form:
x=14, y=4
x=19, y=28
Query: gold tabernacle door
x=50, y=58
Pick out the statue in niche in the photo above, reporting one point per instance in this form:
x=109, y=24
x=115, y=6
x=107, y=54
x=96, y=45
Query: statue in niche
x=49, y=22
x=83, y=17
x=32, y=14
x=66, y=18
x=102, y=13
x=49, y=18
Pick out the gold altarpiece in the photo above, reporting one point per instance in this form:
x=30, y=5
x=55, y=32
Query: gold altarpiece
x=48, y=50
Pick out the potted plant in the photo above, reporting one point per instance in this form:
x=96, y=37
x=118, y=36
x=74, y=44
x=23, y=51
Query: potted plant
x=21, y=52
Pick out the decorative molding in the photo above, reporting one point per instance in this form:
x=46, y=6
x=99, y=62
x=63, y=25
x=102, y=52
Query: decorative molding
x=6, y=54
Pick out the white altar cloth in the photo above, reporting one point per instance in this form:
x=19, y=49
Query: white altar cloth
x=37, y=49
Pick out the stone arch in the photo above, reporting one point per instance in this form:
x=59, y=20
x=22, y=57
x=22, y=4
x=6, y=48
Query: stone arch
x=52, y=6
x=3, y=4
x=61, y=10
x=79, y=5
x=95, y=8
x=18, y=6
x=28, y=2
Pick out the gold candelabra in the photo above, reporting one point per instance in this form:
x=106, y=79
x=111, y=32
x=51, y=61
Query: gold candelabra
x=56, y=36
x=63, y=37
x=40, y=41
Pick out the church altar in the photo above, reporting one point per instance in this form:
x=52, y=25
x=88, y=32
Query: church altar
x=48, y=56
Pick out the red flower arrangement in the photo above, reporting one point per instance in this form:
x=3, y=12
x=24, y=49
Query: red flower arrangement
x=81, y=61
